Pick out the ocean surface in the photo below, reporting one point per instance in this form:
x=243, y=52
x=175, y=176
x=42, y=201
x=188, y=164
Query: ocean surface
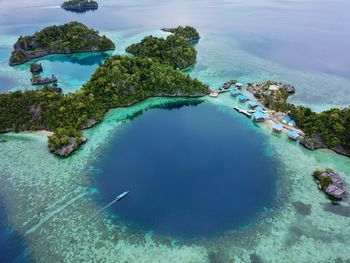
x=51, y=208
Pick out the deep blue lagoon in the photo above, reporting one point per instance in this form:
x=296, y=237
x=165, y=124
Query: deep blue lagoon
x=12, y=245
x=188, y=170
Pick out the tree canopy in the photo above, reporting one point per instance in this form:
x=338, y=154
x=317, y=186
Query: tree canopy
x=173, y=50
x=187, y=32
x=79, y=5
x=69, y=38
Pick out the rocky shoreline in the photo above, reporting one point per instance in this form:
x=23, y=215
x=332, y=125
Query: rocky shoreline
x=72, y=145
x=46, y=53
x=53, y=88
x=316, y=142
x=331, y=183
x=38, y=80
x=36, y=68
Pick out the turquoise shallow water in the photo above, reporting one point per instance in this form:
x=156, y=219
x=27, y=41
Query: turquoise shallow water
x=48, y=201
x=289, y=233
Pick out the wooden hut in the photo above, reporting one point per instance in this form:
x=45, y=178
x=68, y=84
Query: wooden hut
x=277, y=128
x=243, y=98
x=235, y=92
x=293, y=135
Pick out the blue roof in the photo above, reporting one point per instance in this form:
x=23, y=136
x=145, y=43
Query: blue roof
x=252, y=103
x=293, y=133
x=235, y=91
x=242, y=97
x=277, y=126
x=287, y=119
x=293, y=122
x=259, y=115
x=258, y=109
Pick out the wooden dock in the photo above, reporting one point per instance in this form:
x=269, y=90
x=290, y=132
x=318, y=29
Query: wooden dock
x=245, y=112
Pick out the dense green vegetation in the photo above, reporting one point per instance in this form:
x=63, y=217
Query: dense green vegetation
x=119, y=81
x=173, y=50
x=64, y=137
x=122, y=81
x=187, y=32
x=46, y=110
x=80, y=5
x=64, y=39
x=331, y=127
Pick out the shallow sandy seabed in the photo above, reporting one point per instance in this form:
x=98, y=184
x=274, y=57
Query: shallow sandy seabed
x=50, y=202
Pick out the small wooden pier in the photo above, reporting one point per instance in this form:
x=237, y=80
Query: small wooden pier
x=245, y=112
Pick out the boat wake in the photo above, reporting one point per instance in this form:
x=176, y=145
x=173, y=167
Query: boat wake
x=50, y=7
x=119, y=197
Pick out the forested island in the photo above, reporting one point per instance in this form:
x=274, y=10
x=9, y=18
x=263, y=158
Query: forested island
x=73, y=37
x=119, y=82
x=187, y=32
x=328, y=129
x=173, y=50
x=80, y=6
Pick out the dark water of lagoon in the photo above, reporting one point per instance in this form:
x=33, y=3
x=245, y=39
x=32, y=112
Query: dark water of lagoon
x=12, y=245
x=188, y=171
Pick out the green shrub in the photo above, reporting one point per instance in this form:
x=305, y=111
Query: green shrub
x=174, y=51
x=325, y=181
x=187, y=32
x=120, y=81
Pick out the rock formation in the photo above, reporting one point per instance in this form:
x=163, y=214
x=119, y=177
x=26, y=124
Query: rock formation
x=331, y=183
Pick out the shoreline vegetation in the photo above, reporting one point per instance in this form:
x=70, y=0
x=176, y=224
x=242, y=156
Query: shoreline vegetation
x=174, y=51
x=187, y=32
x=70, y=38
x=80, y=6
x=120, y=81
x=328, y=129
